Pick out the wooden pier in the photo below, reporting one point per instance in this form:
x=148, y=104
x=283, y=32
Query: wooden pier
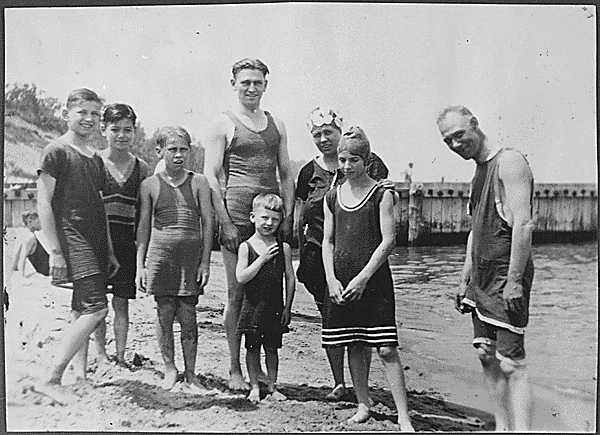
x=436, y=213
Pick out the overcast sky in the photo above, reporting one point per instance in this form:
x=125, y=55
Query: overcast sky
x=527, y=72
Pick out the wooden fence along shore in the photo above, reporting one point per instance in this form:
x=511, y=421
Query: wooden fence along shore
x=436, y=213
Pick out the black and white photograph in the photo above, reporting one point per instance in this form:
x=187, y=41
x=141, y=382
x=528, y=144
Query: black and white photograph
x=300, y=217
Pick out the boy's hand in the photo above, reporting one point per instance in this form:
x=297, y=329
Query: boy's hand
x=335, y=292
x=388, y=184
x=140, y=280
x=113, y=264
x=355, y=289
x=202, y=276
x=58, y=268
x=286, y=317
x=270, y=253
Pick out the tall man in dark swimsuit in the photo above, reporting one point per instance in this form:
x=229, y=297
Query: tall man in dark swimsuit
x=496, y=279
x=246, y=146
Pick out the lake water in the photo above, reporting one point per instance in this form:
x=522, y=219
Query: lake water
x=561, y=340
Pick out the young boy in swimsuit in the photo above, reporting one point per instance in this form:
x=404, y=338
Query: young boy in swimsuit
x=174, y=241
x=124, y=173
x=73, y=218
x=262, y=263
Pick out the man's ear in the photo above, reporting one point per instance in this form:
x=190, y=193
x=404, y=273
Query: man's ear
x=159, y=152
x=65, y=114
x=103, y=128
x=232, y=81
x=252, y=217
x=473, y=122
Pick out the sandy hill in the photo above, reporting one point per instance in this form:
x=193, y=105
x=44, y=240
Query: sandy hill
x=23, y=143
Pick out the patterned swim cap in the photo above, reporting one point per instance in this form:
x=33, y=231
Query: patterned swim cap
x=324, y=115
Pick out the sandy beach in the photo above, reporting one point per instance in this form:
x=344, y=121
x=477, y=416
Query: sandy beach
x=442, y=397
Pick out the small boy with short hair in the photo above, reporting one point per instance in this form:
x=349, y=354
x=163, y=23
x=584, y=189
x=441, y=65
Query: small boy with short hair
x=73, y=218
x=174, y=241
x=263, y=261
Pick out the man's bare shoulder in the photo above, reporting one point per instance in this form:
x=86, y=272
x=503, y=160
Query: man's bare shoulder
x=514, y=166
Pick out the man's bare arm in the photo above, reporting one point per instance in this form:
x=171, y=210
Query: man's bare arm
x=516, y=182
x=216, y=143
x=287, y=180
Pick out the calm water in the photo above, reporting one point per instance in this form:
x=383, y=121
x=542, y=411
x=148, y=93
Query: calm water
x=562, y=337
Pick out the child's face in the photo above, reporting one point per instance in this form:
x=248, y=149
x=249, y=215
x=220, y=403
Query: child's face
x=352, y=166
x=119, y=135
x=175, y=153
x=266, y=222
x=33, y=223
x=83, y=117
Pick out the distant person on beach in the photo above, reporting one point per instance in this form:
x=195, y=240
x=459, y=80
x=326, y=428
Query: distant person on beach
x=360, y=311
x=408, y=173
x=315, y=179
x=246, y=147
x=31, y=248
x=496, y=280
x=173, y=251
x=73, y=219
x=124, y=173
x=263, y=261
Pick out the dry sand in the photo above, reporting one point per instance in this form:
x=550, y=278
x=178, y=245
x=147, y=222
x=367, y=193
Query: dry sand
x=441, y=397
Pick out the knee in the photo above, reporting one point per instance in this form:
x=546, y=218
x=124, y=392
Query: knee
x=514, y=369
x=486, y=353
x=386, y=353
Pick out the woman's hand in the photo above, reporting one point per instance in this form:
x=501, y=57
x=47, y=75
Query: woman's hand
x=335, y=292
x=141, y=278
x=202, y=276
x=58, y=268
x=355, y=289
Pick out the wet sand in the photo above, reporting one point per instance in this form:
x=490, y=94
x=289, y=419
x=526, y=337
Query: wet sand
x=442, y=397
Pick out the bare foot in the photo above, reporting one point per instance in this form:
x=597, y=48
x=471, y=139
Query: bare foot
x=338, y=393
x=361, y=416
x=58, y=393
x=276, y=395
x=194, y=386
x=169, y=380
x=237, y=382
x=263, y=378
x=254, y=396
x=406, y=426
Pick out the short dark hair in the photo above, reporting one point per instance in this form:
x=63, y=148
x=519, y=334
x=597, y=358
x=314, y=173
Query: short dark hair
x=113, y=113
x=168, y=132
x=28, y=214
x=248, y=63
x=83, y=94
x=462, y=110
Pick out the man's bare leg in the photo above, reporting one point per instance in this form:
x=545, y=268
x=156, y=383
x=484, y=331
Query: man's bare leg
x=519, y=396
x=231, y=317
x=497, y=385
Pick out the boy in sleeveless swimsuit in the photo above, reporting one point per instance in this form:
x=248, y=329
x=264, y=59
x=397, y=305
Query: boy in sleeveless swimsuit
x=262, y=263
x=358, y=236
x=124, y=173
x=173, y=251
